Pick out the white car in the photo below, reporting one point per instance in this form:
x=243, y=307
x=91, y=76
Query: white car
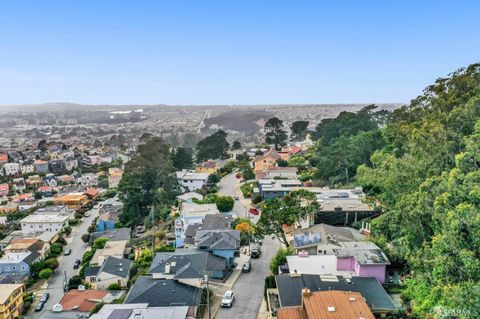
x=227, y=299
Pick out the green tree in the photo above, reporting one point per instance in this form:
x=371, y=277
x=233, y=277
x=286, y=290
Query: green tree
x=299, y=130
x=182, y=158
x=280, y=258
x=149, y=179
x=293, y=208
x=51, y=263
x=275, y=134
x=236, y=145
x=99, y=243
x=224, y=203
x=214, y=146
x=74, y=282
x=86, y=238
x=114, y=286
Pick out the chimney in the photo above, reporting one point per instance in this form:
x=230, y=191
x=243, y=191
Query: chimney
x=305, y=293
x=167, y=268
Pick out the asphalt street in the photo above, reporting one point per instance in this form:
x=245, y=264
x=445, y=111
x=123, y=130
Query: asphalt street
x=78, y=247
x=249, y=287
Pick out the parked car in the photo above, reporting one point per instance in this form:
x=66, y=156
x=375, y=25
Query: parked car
x=246, y=267
x=227, y=299
x=57, y=307
x=44, y=297
x=87, y=214
x=39, y=307
x=254, y=211
x=76, y=264
x=238, y=175
x=256, y=251
x=236, y=198
x=67, y=251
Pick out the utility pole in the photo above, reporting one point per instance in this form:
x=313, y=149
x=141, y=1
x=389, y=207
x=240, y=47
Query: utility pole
x=66, y=283
x=152, y=217
x=208, y=297
x=249, y=232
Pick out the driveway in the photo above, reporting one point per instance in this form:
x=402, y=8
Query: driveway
x=249, y=287
x=78, y=247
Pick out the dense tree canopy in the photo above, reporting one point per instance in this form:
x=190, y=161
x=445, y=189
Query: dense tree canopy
x=214, y=146
x=149, y=179
x=427, y=178
x=274, y=132
x=299, y=130
x=182, y=158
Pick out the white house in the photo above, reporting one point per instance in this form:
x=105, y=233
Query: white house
x=11, y=168
x=41, y=223
x=27, y=167
x=71, y=164
x=191, y=181
x=191, y=213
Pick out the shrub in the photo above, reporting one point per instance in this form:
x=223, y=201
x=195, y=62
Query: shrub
x=74, y=282
x=46, y=273
x=78, y=215
x=91, y=228
x=225, y=203
x=86, y=238
x=257, y=199
x=61, y=241
x=114, y=286
x=26, y=307
x=165, y=249
x=87, y=256
x=67, y=230
x=51, y=263
x=56, y=249
x=99, y=243
x=279, y=259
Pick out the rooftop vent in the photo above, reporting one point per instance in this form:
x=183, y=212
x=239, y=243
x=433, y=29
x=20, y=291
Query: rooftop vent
x=331, y=309
x=352, y=298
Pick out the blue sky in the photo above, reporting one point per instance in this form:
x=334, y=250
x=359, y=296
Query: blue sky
x=231, y=52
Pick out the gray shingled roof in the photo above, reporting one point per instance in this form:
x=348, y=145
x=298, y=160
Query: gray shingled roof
x=113, y=235
x=163, y=293
x=290, y=289
x=187, y=265
x=218, y=239
x=91, y=271
x=116, y=266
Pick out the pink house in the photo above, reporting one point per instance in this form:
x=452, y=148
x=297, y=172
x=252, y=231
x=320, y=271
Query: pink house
x=4, y=189
x=364, y=258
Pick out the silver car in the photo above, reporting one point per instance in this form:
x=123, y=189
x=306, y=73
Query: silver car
x=227, y=299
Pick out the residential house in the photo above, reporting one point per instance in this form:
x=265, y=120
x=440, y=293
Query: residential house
x=265, y=161
x=141, y=310
x=3, y=158
x=34, y=180
x=188, y=267
x=18, y=263
x=11, y=169
x=71, y=163
x=19, y=184
x=41, y=166
x=117, y=234
x=50, y=180
x=285, y=155
x=208, y=167
x=328, y=304
x=73, y=200
x=22, y=244
x=280, y=173
x=289, y=289
x=112, y=271
x=165, y=293
x=89, y=180
x=4, y=189
x=82, y=300
x=114, y=176
x=209, y=222
x=189, y=197
x=43, y=223
x=340, y=206
x=323, y=239
x=191, y=214
x=65, y=179
x=91, y=160
x=11, y=300
x=45, y=191
x=276, y=188
x=222, y=243
x=191, y=181
x=117, y=249
x=26, y=167
x=21, y=198
x=15, y=157
x=109, y=216
x=55, y=210
x=92, y=193
x=57, y=166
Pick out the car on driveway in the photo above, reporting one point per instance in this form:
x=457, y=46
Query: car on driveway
x=67, y=251
x=254, y=211
x=76, y=264
x=246, y=267
x=236, y=197
x=39, y=307
x=227, y=300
